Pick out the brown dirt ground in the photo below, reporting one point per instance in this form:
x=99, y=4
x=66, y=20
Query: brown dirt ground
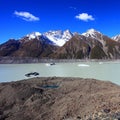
x=55, y=98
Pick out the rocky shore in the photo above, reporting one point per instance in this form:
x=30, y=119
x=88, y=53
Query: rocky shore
x=54, y=98
x=20, y=60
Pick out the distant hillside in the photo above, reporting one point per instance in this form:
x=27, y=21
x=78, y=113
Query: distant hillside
x=27, y=48
x=82, y=46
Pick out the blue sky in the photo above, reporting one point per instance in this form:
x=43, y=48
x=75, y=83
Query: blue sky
x=20, y=17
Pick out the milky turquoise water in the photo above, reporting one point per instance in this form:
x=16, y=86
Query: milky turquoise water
x=108, y=71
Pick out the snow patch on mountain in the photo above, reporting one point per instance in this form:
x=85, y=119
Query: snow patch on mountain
x=116, y=38
x=34, y=35
x=92, y=33
x=59, y=37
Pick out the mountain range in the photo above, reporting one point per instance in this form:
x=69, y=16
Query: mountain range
x=63, y=45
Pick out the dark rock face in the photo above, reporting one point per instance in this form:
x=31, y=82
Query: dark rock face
x=27, y=48
x=35, y=48
x=73, y=98
x=97, y=53
x=8, y=48
x=76, y=48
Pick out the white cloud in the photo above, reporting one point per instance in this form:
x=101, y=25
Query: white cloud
x=26, y=16
x=84, y=17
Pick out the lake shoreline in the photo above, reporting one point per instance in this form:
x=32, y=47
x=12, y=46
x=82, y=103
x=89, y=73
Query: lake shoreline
x=19, y=60
x=59, y=98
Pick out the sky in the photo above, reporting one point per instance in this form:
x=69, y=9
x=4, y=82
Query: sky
x=21, y=17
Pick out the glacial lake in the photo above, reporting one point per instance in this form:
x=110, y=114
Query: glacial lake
x=108, y=71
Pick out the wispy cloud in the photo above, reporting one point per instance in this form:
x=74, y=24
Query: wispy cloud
x=26, y=16
x=85, y=17
x=71, y=7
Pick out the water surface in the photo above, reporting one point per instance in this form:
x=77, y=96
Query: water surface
x=109, y=71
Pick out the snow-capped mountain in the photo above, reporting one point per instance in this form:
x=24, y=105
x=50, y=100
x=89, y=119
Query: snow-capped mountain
x=63, y=45
x=96, y=35
x=33, y=35
x=36, y=36
x=59, y=37
x=116, y=38
x=93, y=34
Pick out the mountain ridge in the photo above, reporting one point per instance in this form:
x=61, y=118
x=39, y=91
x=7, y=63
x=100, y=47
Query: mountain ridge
x=116, y=38
x=63, y=45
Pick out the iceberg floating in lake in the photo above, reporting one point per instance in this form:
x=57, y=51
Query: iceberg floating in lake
x=83, y=65
x=100, y=62
x=47, y=64
x=50, y=64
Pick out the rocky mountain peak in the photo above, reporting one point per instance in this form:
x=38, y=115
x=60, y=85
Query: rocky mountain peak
x=67, y=35
x=92, y=33
x=67, y=32
x=116, y=38
x=59, y=37
x=33, y=35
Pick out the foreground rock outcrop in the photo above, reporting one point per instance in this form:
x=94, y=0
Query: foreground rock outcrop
x=59, y=99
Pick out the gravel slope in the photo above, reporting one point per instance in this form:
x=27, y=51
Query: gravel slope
x=54, y=98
